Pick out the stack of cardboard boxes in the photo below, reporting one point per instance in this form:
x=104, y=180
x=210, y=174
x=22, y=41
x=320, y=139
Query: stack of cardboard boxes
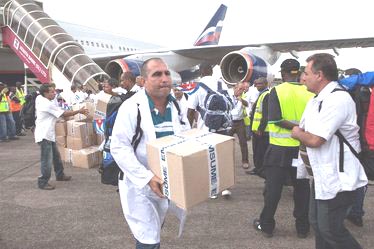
x=76, y=139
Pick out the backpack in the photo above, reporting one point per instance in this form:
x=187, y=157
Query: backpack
x=216, y=108
x=362, y=96
x=109, y=169
x=28, y=112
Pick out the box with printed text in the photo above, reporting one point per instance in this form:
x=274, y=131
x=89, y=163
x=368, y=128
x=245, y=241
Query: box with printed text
x=193, y=165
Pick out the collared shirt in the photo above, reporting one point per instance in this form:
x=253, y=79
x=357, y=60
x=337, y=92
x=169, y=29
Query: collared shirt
x=162, y=122
x=323, y=116
x=46, y=115
x=237, y=111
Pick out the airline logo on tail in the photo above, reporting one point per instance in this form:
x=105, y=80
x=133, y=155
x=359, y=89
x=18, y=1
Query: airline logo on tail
x=212, y=32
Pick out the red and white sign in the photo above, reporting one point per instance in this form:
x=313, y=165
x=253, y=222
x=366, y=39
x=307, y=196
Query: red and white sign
x=25, y=54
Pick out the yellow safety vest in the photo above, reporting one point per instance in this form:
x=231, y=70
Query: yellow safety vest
x=4, y=103
x=257, y=117
x=293, y=98
x=20, y=95
x=246, y=119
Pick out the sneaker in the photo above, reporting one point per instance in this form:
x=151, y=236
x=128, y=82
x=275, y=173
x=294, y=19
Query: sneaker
x=63, y=178
x=245, y=166
x=257, y=227
x=356, y=220
x=226, y=193
x=48, y=187
x=253, y=172
x=214, y=197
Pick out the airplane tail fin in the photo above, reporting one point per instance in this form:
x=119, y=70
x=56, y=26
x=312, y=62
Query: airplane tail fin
x=212, y=32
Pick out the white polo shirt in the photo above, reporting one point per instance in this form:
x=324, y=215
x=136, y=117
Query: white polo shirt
x=46, y=115
x=337, y=112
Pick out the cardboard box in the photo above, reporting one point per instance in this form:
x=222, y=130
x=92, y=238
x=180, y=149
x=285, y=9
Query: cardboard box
x=79, y=129
x=193, y=165
x=100, y=109
x=77, y=143
x=63, y=153
x=60, y=127
x=81, y=117
x=99, y=139
x=61, y=141
x=86, y=158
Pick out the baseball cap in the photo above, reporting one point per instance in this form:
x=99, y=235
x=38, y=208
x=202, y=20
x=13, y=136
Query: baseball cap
x=290, y=65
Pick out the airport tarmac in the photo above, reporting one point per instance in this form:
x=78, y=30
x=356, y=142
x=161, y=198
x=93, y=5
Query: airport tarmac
x=84, y=213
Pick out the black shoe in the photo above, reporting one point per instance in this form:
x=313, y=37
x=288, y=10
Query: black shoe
x=257, y=227
x=47, y=187
x=253, y=172
x=356, y=220
x=63, y=178
x=302, y=235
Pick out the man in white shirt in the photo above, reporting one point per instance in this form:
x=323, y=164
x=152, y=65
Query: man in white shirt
x=335, y=181
x=238, y=125
x=47, y=113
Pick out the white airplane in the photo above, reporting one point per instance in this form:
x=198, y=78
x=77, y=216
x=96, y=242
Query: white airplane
x=74, y=51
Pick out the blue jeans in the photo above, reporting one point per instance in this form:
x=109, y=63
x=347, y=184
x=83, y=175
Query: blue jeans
x=327, y=219
x=358, y=205
x=49, y=155
x=7, y=125
x=140, y=245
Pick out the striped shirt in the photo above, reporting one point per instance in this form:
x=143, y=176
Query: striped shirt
x=162, y=123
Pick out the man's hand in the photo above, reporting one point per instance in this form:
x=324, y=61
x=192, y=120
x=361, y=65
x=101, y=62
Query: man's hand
x=83, y=111
x=156, y=185
x=296, y=130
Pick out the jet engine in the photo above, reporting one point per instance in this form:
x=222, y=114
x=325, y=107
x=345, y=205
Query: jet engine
x=116, y=67
x=243, y=66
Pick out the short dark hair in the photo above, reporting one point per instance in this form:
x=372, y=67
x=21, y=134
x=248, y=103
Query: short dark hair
x=113, y=82
x=144, y=70
x=128, y=76
x=326, y=63
x=44, y=88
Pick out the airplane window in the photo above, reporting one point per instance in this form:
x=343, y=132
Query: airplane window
x=111, y=47
x=82, y=42
x=106, y=45
x=87, y=43
x=92, y=44
x=119, y=47
x=102, y=45
x=97, y=44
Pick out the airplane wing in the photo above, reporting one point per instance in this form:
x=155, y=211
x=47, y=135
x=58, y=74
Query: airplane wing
x=214, y=53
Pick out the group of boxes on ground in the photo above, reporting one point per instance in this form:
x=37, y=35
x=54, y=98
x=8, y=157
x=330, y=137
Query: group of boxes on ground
x=77, y=140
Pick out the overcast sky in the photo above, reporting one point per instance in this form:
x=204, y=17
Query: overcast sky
x=174, y=23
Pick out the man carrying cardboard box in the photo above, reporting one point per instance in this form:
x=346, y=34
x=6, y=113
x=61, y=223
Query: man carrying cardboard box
x=47, y=114
x=143, y=202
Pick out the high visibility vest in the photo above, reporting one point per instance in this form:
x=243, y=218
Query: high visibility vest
x=4, y=103
x=257, y=117
x=20, y=95
x=14, y=106
x=293, y=98
x=247, y=120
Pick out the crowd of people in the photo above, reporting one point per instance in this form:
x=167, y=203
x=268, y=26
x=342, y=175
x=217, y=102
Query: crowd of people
x=276, y=119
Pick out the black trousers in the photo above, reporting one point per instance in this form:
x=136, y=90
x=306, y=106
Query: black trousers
x=327, y=219
x=275, y=179
x=259, y=147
